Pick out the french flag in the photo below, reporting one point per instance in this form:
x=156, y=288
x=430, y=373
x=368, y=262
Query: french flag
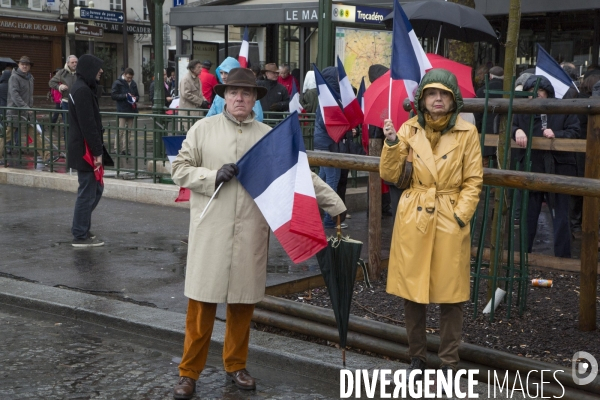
x=295, y=100
x=243, y=57
x=409, y=61
x=172, y=146
x=336, y=122
x=275, y=172
x=352, y=110
x=548, y=67
x=365, y=128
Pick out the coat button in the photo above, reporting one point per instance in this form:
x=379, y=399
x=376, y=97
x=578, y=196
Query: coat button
x=419, y=208
x=239, y=131
x=445, y=156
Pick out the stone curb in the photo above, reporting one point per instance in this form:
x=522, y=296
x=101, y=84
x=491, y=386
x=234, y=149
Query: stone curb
x=308, y=359
x=141, y=192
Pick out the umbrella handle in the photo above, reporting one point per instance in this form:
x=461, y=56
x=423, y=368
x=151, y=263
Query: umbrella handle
x=339, y=227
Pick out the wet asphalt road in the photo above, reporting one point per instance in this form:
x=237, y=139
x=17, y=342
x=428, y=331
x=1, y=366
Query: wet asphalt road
x=50, y=357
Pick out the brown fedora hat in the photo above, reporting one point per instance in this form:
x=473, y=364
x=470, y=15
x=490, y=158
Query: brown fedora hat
x=25, y=60
x=241, y=77
x=271, y=67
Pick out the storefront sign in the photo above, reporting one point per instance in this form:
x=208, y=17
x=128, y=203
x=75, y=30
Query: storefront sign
x=39, y=27
x=301, y=14
x=131, y=28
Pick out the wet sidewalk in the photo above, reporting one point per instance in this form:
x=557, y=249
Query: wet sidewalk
x=143, y=259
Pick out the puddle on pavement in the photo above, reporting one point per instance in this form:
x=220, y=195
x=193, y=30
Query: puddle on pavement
x=291, y=269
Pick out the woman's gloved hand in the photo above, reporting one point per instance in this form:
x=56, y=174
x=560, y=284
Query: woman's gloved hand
x=225, y=174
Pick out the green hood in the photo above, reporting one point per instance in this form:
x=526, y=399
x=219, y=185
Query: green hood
x=446, y=78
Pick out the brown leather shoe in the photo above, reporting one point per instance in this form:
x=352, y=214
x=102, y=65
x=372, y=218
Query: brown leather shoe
x=185, y=388
x=242, y=379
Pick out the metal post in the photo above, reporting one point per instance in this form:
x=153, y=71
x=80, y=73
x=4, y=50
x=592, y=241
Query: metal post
x=226, y=41
x=125, y=45
x=325, y=42
x=589, y=225
x=159, y=96
x=91, y=48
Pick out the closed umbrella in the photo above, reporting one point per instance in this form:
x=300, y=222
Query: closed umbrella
x=447, y=20
x=338, y=262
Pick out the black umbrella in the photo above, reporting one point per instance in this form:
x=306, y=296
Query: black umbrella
x=338, y=262
x=7, y=62
x=447, y=20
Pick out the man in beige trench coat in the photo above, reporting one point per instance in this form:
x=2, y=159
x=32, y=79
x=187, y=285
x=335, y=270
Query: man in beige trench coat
x=190, y=92
x=228, y=247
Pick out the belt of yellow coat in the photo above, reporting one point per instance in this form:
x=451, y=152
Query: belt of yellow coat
x=431, y=193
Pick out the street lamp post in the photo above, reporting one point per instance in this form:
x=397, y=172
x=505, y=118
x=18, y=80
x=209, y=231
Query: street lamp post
x=325, y=41
x=159, y=97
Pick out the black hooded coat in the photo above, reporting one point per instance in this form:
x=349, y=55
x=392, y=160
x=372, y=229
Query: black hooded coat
x=85, y=123
x=564, y=126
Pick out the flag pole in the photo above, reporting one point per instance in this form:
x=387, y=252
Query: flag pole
x=390, y=98
x=211, y=199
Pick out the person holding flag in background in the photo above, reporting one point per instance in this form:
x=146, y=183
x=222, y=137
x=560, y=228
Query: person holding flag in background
x=430, y=251
x=330, y=127
x=228, y=246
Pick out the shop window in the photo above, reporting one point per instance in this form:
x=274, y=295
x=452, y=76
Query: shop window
x=19, y=3
x=116, y=5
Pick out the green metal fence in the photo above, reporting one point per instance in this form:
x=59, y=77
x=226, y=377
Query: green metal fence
x=501, y=271
x=35, y=138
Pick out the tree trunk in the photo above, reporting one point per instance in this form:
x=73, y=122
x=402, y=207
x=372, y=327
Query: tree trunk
x=459, y=51
x=510, y=56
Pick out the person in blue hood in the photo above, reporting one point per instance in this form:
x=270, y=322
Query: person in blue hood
x=222, y=72
x=549, y=162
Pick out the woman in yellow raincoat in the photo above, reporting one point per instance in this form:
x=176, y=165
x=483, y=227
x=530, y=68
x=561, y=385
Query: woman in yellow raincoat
x=430, y=253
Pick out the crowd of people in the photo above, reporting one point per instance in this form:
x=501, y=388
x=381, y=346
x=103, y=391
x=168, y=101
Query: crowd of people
x=227, y=253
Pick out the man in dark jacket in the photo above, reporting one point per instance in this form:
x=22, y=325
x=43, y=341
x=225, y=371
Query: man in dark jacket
x=496, y=82
x=549, y=162
x=125, y=93
x=85, y=130
x=277, y=97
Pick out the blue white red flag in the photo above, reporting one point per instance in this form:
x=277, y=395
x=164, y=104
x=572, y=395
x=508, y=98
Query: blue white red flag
x=548, y=67
x=335, y=121
x=275, y=172
x=409, y=61
x=352, y=111
x=244, y=48
x=295, y=100
x=172, y=146
x=365, y=128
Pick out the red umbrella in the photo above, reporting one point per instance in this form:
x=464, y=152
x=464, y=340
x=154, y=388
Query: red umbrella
x=376, y=102
x=462, y=72
x=98, y=171
x=376, y=96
